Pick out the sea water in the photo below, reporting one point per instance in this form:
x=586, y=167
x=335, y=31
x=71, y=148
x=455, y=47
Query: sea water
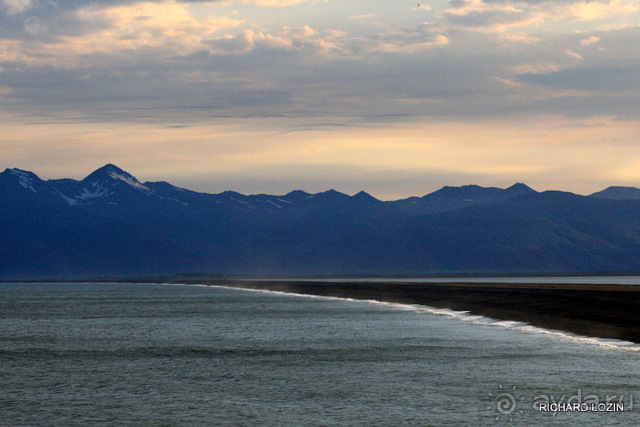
x=585, y=280
x=86, y=354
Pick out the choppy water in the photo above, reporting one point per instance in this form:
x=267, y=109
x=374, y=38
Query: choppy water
x=73, y=354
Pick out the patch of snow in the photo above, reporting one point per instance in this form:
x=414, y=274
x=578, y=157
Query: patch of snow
x=310, y=197
x=240, y=201
x=284, y=201
x=129, y=180
x=97, y=191
x=275, y=204
x=24, y=179
x=179, y=201
x=69, y=200
x=468, y=200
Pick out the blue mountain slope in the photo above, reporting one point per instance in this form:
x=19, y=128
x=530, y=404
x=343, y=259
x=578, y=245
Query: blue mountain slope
x=452, y=198
x=618, y=193
x=111, y=224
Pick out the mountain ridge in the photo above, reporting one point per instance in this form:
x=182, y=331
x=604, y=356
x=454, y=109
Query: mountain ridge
x=618, y=193
x=111, y=224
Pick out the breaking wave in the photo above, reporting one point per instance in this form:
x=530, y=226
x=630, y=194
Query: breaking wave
x=467, y=317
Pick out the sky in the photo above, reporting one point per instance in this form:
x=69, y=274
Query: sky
x=396, y=98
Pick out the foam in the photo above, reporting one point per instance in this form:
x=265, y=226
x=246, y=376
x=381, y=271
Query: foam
x=466, y=317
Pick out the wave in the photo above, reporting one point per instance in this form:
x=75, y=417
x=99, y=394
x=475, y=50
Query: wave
x=464, y=316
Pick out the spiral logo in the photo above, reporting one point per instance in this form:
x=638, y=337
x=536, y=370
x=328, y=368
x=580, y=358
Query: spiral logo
x=505, y=403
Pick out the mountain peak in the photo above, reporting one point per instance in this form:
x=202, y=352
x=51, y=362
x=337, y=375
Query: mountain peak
x=111, y=172
x=111, y=166
x=519, y=188
x=110, y=169
x=520, y=185
x=332, y=194
x=363, y=195
x=461, y=191
x=25, y=179
x=618, y=193
x=297, y=193
x=103, y=182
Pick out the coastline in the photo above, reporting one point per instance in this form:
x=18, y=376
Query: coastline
x=601, y=311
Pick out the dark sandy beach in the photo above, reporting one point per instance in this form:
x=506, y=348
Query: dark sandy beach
x=605, y=311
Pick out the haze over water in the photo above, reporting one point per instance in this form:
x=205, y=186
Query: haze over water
x=150, y=354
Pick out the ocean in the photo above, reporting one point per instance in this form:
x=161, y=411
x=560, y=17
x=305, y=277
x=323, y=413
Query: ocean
x=145, y=354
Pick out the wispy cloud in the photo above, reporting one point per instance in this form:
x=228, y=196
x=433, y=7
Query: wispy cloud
x=589, y=41
x=506, y=15
x=13, y=7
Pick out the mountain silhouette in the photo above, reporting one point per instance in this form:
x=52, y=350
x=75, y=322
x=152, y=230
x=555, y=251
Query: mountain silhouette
x=109, y=224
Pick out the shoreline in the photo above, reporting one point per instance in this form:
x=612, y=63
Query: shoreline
x=599, y=311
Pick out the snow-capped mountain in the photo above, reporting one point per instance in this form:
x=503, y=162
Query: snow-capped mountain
x=22, y=182
x=25, y=179
x=103, y=184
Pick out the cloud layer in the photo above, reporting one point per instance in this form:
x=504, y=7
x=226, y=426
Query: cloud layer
x=472, y=57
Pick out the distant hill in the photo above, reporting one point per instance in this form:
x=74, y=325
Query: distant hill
x=111, y=225
x=619, y=193
x=452, y=198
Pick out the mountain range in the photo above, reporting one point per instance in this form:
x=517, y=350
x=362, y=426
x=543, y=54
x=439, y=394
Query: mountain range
x=111, y=225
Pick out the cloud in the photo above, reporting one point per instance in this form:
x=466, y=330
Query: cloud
x=489, y=16
x=425, y=36
x=308, y=40
x=51, y=19
x=589, y=41
x=272, y=2
x=602, y=78
x=65, y=38
x=16, y=6
x=595, y=10
x=303, y=38
x=137, y=61
x=168, y=25
x=573, y=54
x=505, y=15
x=19, y=6
x=520, y=37
x=363, y=16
